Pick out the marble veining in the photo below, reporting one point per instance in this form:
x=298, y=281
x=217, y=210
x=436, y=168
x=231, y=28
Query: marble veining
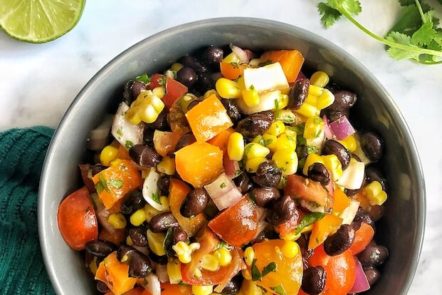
x=38, y=82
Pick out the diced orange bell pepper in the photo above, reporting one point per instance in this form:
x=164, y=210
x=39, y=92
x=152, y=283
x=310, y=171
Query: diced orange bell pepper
x=165, y=141
x=115, y=275
x=171, y=289
x=323, y=228
x=291, y=62
x=115, y=182
x=231, y=71
x=177, y=194
x=208, y=118
x=199, y=163
x=341, y=201
x=221, y=139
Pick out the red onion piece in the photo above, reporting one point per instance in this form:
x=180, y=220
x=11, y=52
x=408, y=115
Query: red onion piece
x=240, y=53
x=231, y=167
x=327, y=131
x=341, y=128
x=301, y=76
x=223, y=192
x=361, y=283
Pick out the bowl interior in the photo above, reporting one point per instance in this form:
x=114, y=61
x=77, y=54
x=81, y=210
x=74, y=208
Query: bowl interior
x=400, y=230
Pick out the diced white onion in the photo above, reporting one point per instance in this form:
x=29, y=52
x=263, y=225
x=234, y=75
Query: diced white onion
x=150, y=190
x=126, y=133
x=353, y=176
x=223, y=192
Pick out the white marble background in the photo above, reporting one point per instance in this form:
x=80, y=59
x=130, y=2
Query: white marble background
x=38, y=82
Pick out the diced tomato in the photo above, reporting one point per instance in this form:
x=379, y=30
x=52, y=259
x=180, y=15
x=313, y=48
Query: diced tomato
x=209, y=243
x=363, y=236
x=177, y=194
x=301, y=187
x=323, y=228
x=340, y=201
x=238, y=224
x=174, y=91
x=231, y=167
x=340, y=271
x=77, y=220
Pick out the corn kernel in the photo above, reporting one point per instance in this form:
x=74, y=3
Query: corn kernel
x=176, y=67
x=227, y=88
x=235, y=146
x=150, y=212
x=308, y=110
x=290, y=249
x=375, y=194
x=270, y=141
x=350, y=143
x=202, y=290
x=283, y=101
x=174, y=271
x=250, y=97
x=319, y=78
x=286, y=141
x=138, y=217
x=159, y=92
x=325, y=100
x=241, y=84
x=183, y=251
x=311, y=159
x=231, y=58
x=249, y=255
x=291, y=237
x=252, y=164
x=255, y=150
x=156, y=242
x=108, y=154
x=167, y=166
x=145, y=108
x=313, y=127
x=276, y=128
x=164, y=203
x=311, y=99
x=117, y=220
x=333, y=165
x=286, y=160
x=315, y=90
x=246, y=275
x=129, y=241
x=209, y=262
x=223, y=255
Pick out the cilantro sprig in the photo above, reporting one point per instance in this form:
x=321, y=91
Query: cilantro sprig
x=416, y=35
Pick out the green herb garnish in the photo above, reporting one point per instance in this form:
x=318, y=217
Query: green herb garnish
x=156, y=198
x=307, y=220
x=271, y=267
x=144, y=78
x=116, y=183
x=279, y=290
x=257, y=275
x=129, y=144
x=101, y=184
x=223, y=185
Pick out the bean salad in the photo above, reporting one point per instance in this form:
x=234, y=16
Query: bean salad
x=231, y=172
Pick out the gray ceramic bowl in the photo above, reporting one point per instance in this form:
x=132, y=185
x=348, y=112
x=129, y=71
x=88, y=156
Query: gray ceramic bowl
x=402, y=227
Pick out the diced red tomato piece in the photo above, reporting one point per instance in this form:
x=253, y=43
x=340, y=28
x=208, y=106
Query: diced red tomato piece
x=174, y=91
x=301, y=187
x=363, y=236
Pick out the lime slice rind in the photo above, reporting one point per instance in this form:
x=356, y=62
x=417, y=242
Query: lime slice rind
x=39, y=21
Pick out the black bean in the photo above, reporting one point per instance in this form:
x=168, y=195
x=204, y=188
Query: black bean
x=233, y=286
x=138, y=236
x=163, y=185
x=179, y=235
x=373, y=255
x=102, y=287
x=332, y=147
x=148, y=136
x=139, y=264
x=318, y=172
x=133, y=202
x=339, y=241
x=144, y=156
x=372, y=275
x=255, y=124
x=374, y=174
x=283, y=210
x=372, y=145
x=136, y=88
x=187, y=76
x=158, y=259
x=263, y=196
x=335, y=115
x=99, y=248
x=190, y=61
x=185, y=140
x=162, y=222
x=298, y=93
x=243, y=182
x=344, y=100
x=195, y=202
x=363, y=216
x=212, y=55
x=232, y=110
x=204, y=83
x=267, y=174
x=161, y=122
x=313, y=280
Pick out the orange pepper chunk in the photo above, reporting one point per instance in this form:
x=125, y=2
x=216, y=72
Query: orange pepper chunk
x=115, y=275
x=341, y=201
x=221, y=139
x=231, y=71
x=208, y=118
x=170, y=289
x=291, y=62
x=177, y=194
x=323, y=228
x=115, y=182
x=199, y=163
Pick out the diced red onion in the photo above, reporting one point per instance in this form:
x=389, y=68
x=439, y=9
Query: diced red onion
x=223, y=192
x=361, y=283
x=250, y=53
x=228, y=199
x=240, y=53
x=327, y=131
x=341, y=128
x=231, y=167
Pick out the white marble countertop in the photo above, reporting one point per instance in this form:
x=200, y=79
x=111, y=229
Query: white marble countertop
x=38, y=82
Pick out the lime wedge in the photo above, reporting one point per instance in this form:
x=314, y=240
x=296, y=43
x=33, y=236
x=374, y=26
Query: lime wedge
x=39, y=21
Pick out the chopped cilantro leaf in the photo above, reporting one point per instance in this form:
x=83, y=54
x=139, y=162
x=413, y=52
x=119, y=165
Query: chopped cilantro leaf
x=279, y=290
x=223, y=185
x=308, y=220
x=116, y=183
x=156, y=198
x=256, y=274
x=143, y=78
x=129, y=144
x=271, y=267
x=328, y=15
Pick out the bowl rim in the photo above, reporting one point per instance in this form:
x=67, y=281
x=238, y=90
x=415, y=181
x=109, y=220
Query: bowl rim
x=43, y=224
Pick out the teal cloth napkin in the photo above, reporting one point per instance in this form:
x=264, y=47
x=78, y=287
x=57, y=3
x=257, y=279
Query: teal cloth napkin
x=22, y=153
